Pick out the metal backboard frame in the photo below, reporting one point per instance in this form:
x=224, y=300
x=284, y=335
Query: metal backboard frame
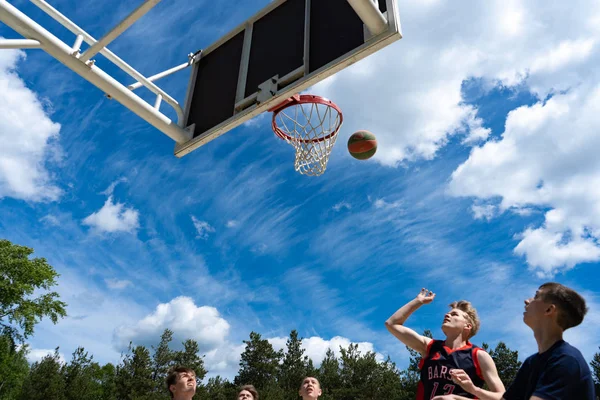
x=252, y=101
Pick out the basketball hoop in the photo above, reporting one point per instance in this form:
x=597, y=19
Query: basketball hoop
x=310, y=124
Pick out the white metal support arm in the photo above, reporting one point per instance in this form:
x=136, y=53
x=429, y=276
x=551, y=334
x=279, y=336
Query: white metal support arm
x=19, y=44
x=192, y=57
x=67, y=23
x=368, y=12
x=31, y=30
x=117, y=30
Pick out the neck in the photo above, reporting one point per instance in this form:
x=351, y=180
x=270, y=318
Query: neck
x=455, y=341
x=187, y=396
x=547, y=337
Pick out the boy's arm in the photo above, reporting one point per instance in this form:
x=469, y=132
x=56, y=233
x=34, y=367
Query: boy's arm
x=490, y=376
x=461, y=378
x=490, y=372
x=395, y=323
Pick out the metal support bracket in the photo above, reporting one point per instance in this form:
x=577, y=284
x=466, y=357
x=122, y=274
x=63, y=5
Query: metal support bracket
x=267, y=89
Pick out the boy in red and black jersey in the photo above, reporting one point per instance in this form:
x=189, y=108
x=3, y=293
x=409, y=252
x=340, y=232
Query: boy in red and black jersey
x=440, y=357
x=436, y=378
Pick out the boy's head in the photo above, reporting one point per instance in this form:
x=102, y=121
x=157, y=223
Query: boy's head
x=552, y=300
x=181, y=380
x=463, y=318
x=310, y=388
x=247, y=392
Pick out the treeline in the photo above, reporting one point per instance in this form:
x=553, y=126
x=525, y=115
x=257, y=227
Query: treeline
x=141, y=372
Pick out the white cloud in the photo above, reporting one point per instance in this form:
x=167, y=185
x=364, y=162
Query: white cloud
x=113, y=217
x=409, y=94
x=117, y=284
x=232, y=223
x=28, y=138
x=486, y=211
x=342, y=204
x=316, y=347
x=203, y=228
x=36, y=355
x=547, y=158
x=186, y=320
x=548, y=252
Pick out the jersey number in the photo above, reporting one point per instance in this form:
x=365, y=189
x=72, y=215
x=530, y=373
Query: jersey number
x=448, y=389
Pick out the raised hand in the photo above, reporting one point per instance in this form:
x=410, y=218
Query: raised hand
x=425, y=296
x=461, y=378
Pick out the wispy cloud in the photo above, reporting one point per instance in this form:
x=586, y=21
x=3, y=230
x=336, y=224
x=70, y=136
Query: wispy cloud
x=109, y=191
x=486, y=211
x=203, y=228
x=342, y=205
x=117, y=284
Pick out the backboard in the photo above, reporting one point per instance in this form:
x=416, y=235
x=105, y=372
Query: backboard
x=284, y=49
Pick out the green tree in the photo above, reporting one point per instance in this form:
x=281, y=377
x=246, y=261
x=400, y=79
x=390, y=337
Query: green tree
x=45, y=380
x=81, y=377
x=218, y=388
x=107, y=378
x=162, y=360
x=23, y=283
x=596, y=371
x=507, y=362
x=14, y=367
x=259, y=363
x=388, y=382
x=134, y=375
x=358, y=373
x=329, y=375
x=189, y=357
x=293, y=368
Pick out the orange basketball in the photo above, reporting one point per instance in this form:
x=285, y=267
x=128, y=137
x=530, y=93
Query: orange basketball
x=362, y=145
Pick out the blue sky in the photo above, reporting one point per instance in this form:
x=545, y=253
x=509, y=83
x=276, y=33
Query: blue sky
x=484, y=186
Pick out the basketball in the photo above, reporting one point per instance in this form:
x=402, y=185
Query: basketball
x=362, y=145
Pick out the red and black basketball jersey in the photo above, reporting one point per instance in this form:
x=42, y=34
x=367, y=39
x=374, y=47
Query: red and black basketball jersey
x=437, y=364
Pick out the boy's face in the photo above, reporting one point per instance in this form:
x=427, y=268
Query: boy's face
x=186, y=383
x=245, y=395
x=310, y=388
x=455, y=320
x=535, y=309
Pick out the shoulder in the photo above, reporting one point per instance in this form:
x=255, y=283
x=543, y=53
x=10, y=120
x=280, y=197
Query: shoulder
x=482, y=355
x=567, y=355
x=567, y=363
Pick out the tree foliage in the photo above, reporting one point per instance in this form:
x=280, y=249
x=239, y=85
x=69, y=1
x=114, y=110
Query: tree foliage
x=14, y=367
x=22, y=277
x=596, y=370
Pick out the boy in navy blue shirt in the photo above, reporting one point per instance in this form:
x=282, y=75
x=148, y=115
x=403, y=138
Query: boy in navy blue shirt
x=558, y=371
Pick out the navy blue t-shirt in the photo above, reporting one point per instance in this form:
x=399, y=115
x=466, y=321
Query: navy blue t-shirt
x=559, y=373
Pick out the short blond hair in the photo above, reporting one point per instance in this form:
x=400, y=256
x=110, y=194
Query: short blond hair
x=471, y=312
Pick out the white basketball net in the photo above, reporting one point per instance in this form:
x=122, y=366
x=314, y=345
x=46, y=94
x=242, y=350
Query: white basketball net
x=312, y=129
